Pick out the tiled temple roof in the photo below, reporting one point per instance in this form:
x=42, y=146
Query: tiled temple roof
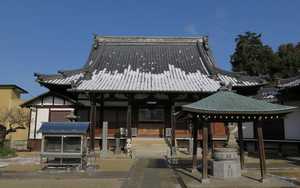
x=140, y=64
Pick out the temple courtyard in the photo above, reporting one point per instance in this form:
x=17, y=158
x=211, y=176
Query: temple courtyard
x=149, y=167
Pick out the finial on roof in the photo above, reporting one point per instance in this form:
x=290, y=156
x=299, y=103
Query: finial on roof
x=205, y=43
x=87, y=74
x=225, y=86
x=95, y=35
x=62, y=73
x=38, y=76
x=96, y=44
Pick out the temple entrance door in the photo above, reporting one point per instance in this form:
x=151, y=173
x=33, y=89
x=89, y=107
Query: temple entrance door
x=151, y=122
x=151, y=129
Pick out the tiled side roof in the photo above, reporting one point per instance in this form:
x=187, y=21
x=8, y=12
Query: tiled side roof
x=147, y=64
x=290, y=82
x=65, y=80
x=236, y=82
x=226, y=102
x=268, y=93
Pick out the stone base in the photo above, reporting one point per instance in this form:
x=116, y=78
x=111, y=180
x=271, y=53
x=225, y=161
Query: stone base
x=205, y=181
x=104, y=154
x=226, y=169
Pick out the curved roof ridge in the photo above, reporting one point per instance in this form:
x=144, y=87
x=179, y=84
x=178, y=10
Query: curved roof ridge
x=149, y=39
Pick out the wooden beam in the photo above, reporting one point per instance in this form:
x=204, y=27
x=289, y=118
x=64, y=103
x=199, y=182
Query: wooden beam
x=237, y=118
x=261, y=150
x=241, y=144
x=204, y=151
x=195, y=143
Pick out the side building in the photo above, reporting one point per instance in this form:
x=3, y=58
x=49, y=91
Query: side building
x=136, y=84
x=280, y=136
x=10, y=97
x=289, y=94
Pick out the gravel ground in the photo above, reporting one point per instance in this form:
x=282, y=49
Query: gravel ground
x=62, y=183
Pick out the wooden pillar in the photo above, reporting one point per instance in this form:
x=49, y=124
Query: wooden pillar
x=261, y=149
x=129, y=116
x=173, y=129
x=93, y=121
x=101, y=117
x=76, y=107
x=167, y=119
x=204, y=152
x=135, y=116
x=211, y=138
x=129, y=121
x=241, y=144
x=195, y=143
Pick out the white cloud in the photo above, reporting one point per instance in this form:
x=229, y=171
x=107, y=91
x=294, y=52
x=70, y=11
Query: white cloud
x=190, y=29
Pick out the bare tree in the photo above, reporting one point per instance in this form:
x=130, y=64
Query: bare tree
x=14, y=119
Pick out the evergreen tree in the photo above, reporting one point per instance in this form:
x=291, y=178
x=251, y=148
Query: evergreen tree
x=289, y=59
x=252, y=56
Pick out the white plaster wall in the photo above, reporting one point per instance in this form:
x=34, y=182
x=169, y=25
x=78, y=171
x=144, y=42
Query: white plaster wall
x=37, y=102
x=48, y=100
x=248, y=131
x=42, y=116
x=58, y=101
x=68, y=103
x=32, y=123
x=62, y=109
x=292, y=122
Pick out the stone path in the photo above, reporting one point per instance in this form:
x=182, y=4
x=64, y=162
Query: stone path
x=63, y=175
x=150, y=173
x=150, y=169
x=149, y=147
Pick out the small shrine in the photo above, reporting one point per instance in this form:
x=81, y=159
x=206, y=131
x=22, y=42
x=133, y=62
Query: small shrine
x=64, y=144
x=232, y=109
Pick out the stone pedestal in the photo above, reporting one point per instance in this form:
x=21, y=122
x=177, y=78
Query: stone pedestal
x=226, y=169
x=226, y=163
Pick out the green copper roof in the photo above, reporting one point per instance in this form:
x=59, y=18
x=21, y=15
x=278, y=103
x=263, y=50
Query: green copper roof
x=226, y=102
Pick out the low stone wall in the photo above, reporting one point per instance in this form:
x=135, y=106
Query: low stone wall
x=19, y=145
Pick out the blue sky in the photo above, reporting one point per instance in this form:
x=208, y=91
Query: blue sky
x=46, y=36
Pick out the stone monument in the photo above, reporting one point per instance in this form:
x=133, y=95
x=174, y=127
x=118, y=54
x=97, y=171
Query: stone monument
x=118, y=142
x=104, y=150
x=226, y=162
